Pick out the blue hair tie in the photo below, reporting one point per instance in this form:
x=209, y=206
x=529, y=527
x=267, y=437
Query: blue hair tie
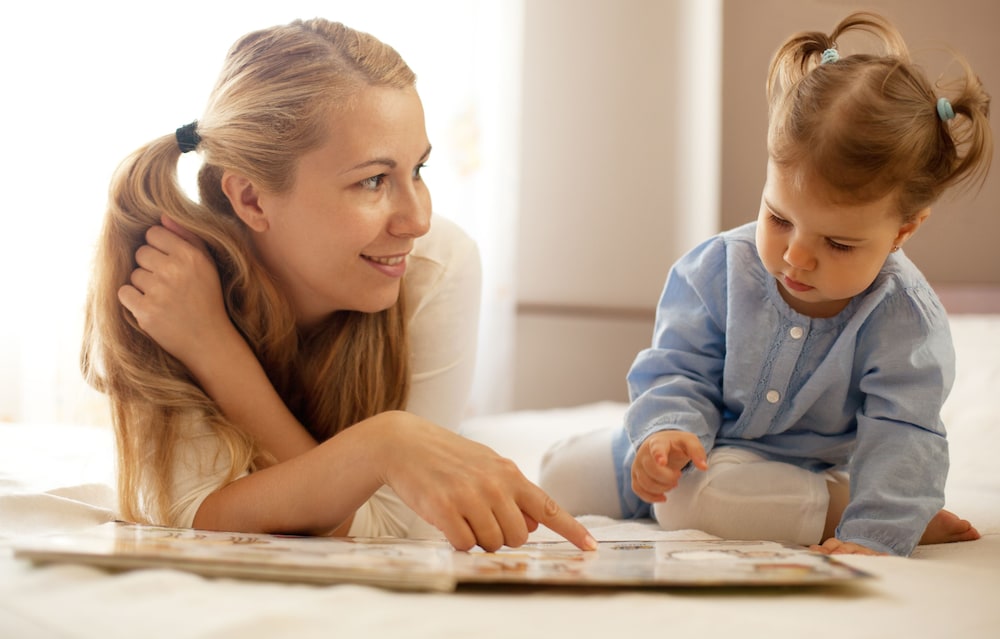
x=945, y=112
x=830, y=55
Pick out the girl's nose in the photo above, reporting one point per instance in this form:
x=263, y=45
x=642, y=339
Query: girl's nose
x=799, y=256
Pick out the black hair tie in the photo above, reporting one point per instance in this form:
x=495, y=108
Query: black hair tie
x=187, y=137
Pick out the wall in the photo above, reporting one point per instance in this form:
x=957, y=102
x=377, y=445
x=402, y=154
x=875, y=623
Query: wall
x=617, y=137
x=642, y=134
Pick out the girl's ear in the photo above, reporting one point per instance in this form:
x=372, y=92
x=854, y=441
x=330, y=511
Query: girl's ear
x=907, y=230
x=245, y=199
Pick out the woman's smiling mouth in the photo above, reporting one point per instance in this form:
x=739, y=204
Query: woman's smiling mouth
x=390, y=260
x=393, y=266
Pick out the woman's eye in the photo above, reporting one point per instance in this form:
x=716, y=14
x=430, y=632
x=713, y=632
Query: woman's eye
x=373, y=182
x=416, y=171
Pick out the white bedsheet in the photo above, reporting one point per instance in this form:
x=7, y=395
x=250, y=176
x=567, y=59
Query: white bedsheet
x=57, y=478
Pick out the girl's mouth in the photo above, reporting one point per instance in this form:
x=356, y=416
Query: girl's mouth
x=795, y=285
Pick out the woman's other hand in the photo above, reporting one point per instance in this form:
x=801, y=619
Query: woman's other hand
x=175, y=293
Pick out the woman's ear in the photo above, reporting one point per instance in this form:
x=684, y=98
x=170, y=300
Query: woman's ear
x=245, y=199
x=907, y=230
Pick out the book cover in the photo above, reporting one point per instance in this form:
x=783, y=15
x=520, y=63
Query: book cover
x=434, y=565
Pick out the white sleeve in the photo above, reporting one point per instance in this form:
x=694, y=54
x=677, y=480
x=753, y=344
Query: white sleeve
x=443, y=295
x=201, y=466
x=442, y=288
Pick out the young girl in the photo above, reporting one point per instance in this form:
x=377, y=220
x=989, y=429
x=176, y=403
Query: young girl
x=799, y=363
x=269, y=366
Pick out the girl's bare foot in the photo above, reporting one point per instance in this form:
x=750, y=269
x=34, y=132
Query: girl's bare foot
x=947, y=527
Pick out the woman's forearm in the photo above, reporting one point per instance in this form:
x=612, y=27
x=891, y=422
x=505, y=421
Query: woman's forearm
x=464, y=489
x=316, y=492
x=230, y=374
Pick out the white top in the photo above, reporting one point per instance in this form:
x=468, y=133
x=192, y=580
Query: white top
x=443, y=283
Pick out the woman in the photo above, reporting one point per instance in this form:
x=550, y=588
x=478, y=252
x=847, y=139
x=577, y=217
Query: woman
x=269, y=366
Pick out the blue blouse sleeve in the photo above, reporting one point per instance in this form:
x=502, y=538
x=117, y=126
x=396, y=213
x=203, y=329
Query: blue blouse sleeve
x=677, y=383
x=900, y=462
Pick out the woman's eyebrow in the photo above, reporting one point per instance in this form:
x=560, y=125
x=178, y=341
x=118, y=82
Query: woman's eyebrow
x=387, y=162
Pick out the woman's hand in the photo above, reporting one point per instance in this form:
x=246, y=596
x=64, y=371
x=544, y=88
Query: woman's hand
x=660, y=460
x=176, y=297
x=175, y=293
x=466, y=490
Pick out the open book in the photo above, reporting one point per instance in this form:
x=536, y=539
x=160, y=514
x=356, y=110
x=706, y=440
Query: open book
x=433, y=565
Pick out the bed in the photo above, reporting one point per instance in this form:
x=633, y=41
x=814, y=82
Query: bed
x=57, y=478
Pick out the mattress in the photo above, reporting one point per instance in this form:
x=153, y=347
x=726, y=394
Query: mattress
x=58, y=478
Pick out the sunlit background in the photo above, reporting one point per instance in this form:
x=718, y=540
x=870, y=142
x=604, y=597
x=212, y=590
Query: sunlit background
x=87, y=83
x=585, y=145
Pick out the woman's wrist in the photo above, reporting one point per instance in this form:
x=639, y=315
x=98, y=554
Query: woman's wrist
x=383, y=437
x=232, y=376
x=217, y=358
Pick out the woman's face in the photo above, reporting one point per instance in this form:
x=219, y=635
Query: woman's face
x=340, y=237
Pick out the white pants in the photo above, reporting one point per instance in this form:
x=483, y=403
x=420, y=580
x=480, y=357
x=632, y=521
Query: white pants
x=742, y=495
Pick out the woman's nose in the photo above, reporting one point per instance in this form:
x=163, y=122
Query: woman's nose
x=413, y=215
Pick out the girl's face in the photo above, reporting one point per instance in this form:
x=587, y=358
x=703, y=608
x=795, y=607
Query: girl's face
x=823, y=254
x=340, y=237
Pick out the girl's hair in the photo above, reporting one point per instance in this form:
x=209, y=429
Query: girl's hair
x=868, y=125
x=271, y=105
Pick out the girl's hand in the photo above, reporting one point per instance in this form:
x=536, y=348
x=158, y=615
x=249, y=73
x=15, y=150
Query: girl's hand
x=834, y=546
x=175, y=293
x=659, y=461
x=467, y=491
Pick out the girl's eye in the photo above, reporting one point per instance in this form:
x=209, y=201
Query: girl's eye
x=779, y=222
x=373, y=182
x=837, y=246
x=416, y=171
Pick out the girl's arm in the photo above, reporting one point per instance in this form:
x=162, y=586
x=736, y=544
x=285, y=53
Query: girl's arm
x=676, y=384
x=900, y=459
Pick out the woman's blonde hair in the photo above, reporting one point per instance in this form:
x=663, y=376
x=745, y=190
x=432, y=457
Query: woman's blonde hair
x=269, y=107
x=868, y=125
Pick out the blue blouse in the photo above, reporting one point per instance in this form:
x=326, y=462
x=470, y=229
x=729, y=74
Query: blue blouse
x=732, y=363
